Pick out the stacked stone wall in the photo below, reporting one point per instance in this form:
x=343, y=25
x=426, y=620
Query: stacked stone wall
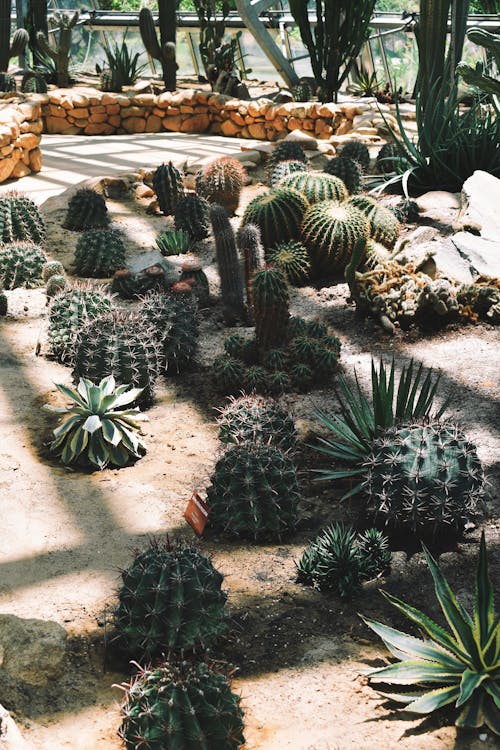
x=21, y=129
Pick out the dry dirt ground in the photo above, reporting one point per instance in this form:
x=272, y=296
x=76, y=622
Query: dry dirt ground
x=300, y=654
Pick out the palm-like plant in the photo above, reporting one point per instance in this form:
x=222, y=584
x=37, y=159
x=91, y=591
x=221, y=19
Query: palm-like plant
x=98, y=431
x=361, y=422
x=461, y=666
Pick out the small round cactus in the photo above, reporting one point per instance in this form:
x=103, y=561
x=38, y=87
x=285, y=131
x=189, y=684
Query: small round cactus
x=168, y=186
x=316, y=186
x=221, y=181
x=285, y=169
x=52, y=268
x=86, y=209
x=292, y=259
x=391, y=158
x=192, y=214
x=175, y=322
x=358, y=152
x=228, y=373
x=55, y=284
x=278, y=214
x=20, y=219
x=257, y=420
x=21, y=264
x=285, y=151
x=99, y=253
x=33, y=83
x=384, y=226
x=348, y=170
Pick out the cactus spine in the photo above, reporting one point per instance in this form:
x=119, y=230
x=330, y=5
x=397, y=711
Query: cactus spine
x=99, y=253
x=86, y=209
x=292, y=260
x=221, y=182
x=270, y=299
x=358, y=152
x=330, y=231
x=348, y=170
x=228, y=264
x=316, y=186
x=9, y=49
x=163, y=50
x=278, y=214
x=21, y=264
x=249, y=244
x=384, y=226
x=60, y=53
x=168, y=186
x=192, y=214
x=20, y=219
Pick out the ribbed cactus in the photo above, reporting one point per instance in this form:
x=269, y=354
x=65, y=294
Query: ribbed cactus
x=384, y=226
x=329, y=232
x=7, y=83
x=278, y=214
x=406, y=211
x=110, y=80
x=174, y=318
x=292, y=259
x=425, y=478
x=358, y=152
x=248, y=241
x=170, y=601
x=56, y=284
x=99, y=253
x=254, y=492
x=192, y=271
x=8, y=48
x=119, y=344
x=168, y=186
x=257, y=420
x=131, y=285
x=285, y=169
x=476, y=76
x=302, y=92
x=69, y=311
x=60, y=52
x=391, y=158
x=33, y=83
x=86, y=210
x=228, y=373
x=192, y=214
x=181, y=705
x=316, y=186
x=20, y=219
x=21, y=264
x=285, y=151
x=229, y=266
x=221, y=181
x=348, y=170
x=163, y=50
x=52, y=268
x=270, y=299
x=3, y=304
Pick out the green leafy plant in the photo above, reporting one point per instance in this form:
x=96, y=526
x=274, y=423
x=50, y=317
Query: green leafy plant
x=173, y=242
x=460, y=666
x=98, y=431
x=123, y=63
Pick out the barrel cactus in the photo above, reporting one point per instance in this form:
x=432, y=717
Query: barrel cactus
x=86, y=209
x=285, y=151
x=192, y=214
x=285, y=169
x=21, y=264
x=358, y=152
x=316, y=186
x=270, y=299
x=391, y=158
x=20, y=219
x=170, y=601
x=181, y=705
x=278, y=214
x=52, y=268
x=255, y=419
x=292, y=259
x=33, y=83
x=228, y=373
x=168, y=186
x=221, y=181
x=7, y=82
x=99, y=253
x=130, y=285
x=384, y=226
x=254, y=492
x=174, y=319
x=348, y=170
x=56, y=284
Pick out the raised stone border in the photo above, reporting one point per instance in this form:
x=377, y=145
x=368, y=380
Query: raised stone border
x=21, y=128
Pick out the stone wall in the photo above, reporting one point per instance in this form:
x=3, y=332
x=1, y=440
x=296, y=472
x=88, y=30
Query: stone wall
x=20, y=132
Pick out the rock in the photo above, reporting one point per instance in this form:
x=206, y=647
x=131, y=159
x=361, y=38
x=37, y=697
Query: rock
x=10, y=736
x=482, y=193
x=31, y=651
x=304, y=139
x=35, y=160
x=437, y=201
x=482, y=254
x=195, y=124
x=149, y=258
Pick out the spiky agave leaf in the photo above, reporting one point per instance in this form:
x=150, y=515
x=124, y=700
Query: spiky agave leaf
x=460, y=665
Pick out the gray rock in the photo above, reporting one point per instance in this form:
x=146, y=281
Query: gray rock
x=482, y=194
x=31, y=651
x=10, y=736
x=482, y=254
x=149, y=258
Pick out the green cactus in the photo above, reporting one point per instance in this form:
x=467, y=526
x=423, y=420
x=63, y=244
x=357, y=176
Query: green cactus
x=316, y=186
x=375, y=255
x=285, y=169
x=292, y=259
x=270, y=299
x=86, y=210
x=163, y=50
x=120, y=344
x=228, y=265
x=3, y=304
x=391, y=158
x=8, y=48
x=170, y=602
x=384, y=227
x=110, y=80
x=21, y=264
x=275, y=360
x=99, y=253
x=173, y=316
x=221, y=181
x=425, y=478
x=302, y=92
x=52, y=268
x=192, y=271
x=358, y=152
x=56, y=284
x=69, y=311
x=173, y=242
x=192, y=214
x=255, y=380
x=254, y=492
x=476, y=76
x=181, y=705
x=168, y=186
x=129, y=285
x=348, y=170
x=33, y=83
x=257, y=420
x=228, y=373
x=7, y=83
x=278, y=214
x=60, y=52
x=301, y=377
x=285, y=151
x=20, y=219
x=249, y=243
x=329, y=232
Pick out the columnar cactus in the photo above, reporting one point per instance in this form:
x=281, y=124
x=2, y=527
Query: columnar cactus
x=60, y=52
x=249, y=244
x=168, y=186
x=21, y=264
x=384, y=226
x=163, y=50
x=229, y=266
x=174, y=320
x=292, y=259
x=192, y=214
x=257, y=420
x=316, y=186
x=278, y=214
x=270, y=299
x=7, y=82
x=358, y=152
x=221, y=181
x=348, y=170
x=8, y=48
x=99, y=253
x=20, y=219
x=86, y=210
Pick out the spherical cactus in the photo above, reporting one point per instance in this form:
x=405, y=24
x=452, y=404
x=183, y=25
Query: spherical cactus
x=21, y=264
x=358, y=152
x=170, y=601
x=181, y=705
x=301, y=376
x=168, y=186
x=56, y=284
x=228, y=373
x=68, y=312
x=275, y=360
x=257, y=420
x=175, y=322
x=7, y=82
x=278, y=214
x=254, y=492
x=384, y=227
x=131, y=285
x=285, y=151
x=425, y=478
x=33, y=83
x=285, y=169
x=292, y=259
x=221, y=181
x=111, y=80
x=192, y=214
x=20, y=219
x=86, y=209
x=391, y=158
x=99, y=253
x=255, y=380
x=270, y=299
x=348, y=170
x=316, y=186
x=119, y=344
x=302, y=92
x=375, y=255
x=52, y=268
x=330, y=231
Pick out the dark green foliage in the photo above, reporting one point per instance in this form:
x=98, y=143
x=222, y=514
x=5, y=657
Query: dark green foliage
x=181, y=705
x=302, y=92
x=384, y=227
x=285, y=151
x=33, y=83
x=86, y=210
x=374, y=549
x=292, y=259
x=301, y=377
x=391, y=158
x=21, y=264
x=3, y=304
x=134, y=285
x=7, y=82
x=255, y=380
x=228, y=373
x=348, y=170
x=316, y=186
x=20, y=219
x=110, y=80
x=278, y=214
x=170, y=601
x=168, y=186
x=99, y=253
x=270, y=299
x=174, y=319
x=257, y=420
x=254, y=492
x=121, y=64
x=276, y=359
x=228, y=265
x=55, y=284
x=120, y=344
x=279, y=382
x=173, y=242
x=192, y=214
x=192, y=271
x=221, y=181
x=358, y=152
x=285, y=169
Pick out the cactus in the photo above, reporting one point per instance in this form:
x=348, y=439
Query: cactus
x=255, y=380
x=375, y=255
x=228, y=373
x=424, y=478
x=170, y=601
x=133, y=285
x=55, y=284
x=173, y=242
x=99, y=253
x=52, y=268
x=33, y=83
x=278, y=214
x=21, y=264
x=192, y=269
x=86, y=210
x=8, y=48
x=168, y=186
x=69, y=311
x=329, y=232
x=477, y=76
x=270, y=298
x=391, y=158
x=174, y=319
x=292, y=260
x=254, y=492
x=348, y=170
x=20, y=219
x=110, y=80
x=302, y=92
x=7, y=83
x=384, y=227
x=316, y=186
x=221, y=181
x=163, y=50
x=60, y=54
x=248, y=241
x=285, y=151
x=358, y=152
x=119, y=344
x=3, y=304
x=228, y=264
x=192, y=214
x=285, y=169
x=181, y=705
x=256, y=420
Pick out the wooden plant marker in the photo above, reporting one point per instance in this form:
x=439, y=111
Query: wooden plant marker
x=196, y=513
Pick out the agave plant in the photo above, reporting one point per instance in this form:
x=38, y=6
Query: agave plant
x=361, y=421
x=98, y=431
x=461, y=666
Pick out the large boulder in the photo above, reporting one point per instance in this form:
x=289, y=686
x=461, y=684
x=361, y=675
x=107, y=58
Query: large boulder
x=32, y=651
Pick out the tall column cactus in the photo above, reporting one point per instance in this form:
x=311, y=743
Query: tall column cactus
x=35, y=20
x=164, y=50
x=477, y=76
x=9, y=49
x=60, y=52
x=228, y=263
